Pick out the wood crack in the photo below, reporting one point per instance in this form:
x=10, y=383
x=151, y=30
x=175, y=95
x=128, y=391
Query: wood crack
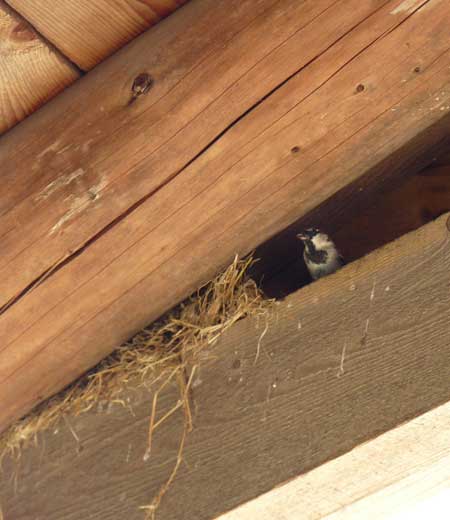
x=75, y=254
x=59, y=265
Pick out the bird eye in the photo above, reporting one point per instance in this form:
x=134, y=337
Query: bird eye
x=311, y=232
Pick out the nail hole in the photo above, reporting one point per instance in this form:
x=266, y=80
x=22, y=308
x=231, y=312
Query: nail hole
x=416, y=69
x=295, y=149
x=236, y=364
x=360, y=88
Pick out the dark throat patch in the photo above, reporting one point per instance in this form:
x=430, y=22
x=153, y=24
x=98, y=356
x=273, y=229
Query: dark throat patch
x=314, y=255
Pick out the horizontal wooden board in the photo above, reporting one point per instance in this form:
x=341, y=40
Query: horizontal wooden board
x=134, y=205
x=88, y=32
x=31, y=72
x=398, y=475
x=340, y=362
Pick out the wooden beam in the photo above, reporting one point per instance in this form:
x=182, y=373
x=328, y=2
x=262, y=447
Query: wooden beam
x=397, y=475
x=88, y=32
x=341, y=361
x=31, y=71
x=103, y=231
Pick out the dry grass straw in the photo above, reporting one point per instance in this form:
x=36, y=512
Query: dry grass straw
x=154, y=357
x=150, y=509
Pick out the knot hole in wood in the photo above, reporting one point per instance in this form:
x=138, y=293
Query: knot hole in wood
x=141, y=85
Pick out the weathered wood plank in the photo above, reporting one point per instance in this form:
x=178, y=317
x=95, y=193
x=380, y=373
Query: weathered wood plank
x=343, y=360
x=31, y=72
x=87, y=32
x=131, y=230
x=397, y=475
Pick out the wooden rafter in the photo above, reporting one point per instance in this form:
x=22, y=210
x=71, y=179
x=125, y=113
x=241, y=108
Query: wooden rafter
x=31, y=71
x=87, y=32
x=43, y=45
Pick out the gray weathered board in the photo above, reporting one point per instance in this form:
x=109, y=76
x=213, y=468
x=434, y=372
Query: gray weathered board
x=408, y=478
x=342, y=360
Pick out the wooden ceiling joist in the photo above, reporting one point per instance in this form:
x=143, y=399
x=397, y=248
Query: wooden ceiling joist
x=341, y=361
x=115, y=206
x=44, y=46
x=31, y=71
x=87, y=32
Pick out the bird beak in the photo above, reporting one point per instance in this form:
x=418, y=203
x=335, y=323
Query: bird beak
x=302, y=236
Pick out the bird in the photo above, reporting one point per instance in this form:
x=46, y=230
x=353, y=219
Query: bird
x=320, y=253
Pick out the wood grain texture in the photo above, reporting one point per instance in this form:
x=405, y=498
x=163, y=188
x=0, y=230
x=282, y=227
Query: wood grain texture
x=400, y=474
x=342, y=361
x=88, y=32
x=116, y=226
x=31, y=72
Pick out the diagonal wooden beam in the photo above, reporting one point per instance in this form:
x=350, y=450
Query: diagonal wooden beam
x=341, y=361
x=115, y=207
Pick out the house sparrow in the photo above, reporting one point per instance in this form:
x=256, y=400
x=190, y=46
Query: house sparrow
x=320, y=254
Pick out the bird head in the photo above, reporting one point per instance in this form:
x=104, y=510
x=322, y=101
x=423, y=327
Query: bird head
x=308, y=234
x=315, y=238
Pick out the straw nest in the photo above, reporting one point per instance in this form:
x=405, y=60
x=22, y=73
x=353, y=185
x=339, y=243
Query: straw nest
x=155, y=356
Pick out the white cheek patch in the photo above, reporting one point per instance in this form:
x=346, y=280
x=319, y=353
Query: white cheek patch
x=321, y=241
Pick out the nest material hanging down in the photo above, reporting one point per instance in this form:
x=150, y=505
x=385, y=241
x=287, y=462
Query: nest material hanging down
x=153, y=356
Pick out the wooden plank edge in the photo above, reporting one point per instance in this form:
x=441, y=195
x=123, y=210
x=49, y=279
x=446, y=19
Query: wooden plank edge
x=404, y=473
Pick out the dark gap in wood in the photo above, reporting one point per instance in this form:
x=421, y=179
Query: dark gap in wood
x=35, y=283
x=364, y=216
